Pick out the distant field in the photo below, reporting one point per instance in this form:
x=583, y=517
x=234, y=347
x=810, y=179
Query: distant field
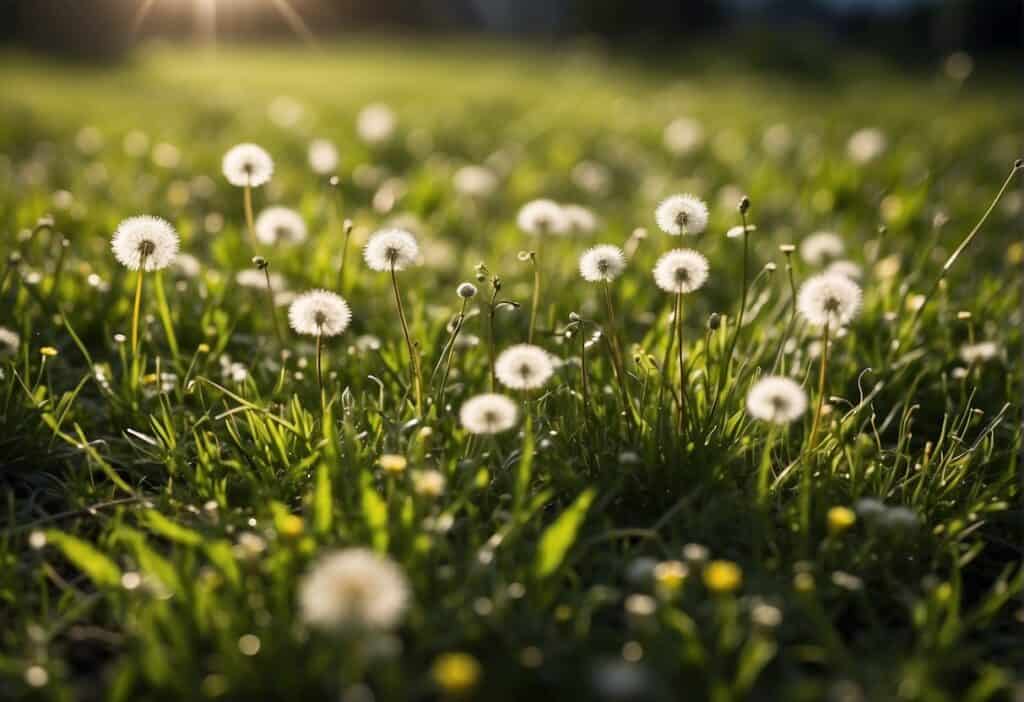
x=633, y=533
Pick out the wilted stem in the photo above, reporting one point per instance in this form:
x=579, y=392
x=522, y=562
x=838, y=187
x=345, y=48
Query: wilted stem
x=414, y=362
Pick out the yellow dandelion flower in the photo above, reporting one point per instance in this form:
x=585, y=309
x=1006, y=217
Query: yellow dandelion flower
x=456, y=673
x=723, y=576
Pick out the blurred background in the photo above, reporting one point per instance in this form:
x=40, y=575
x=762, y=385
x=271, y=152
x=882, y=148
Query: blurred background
x=908, y=30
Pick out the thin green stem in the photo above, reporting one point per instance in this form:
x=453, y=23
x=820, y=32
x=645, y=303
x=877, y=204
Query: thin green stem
x=414, y=363
x=273, y=307
x=682, y=364
x=617, y=360
x=165, y=315
x=137, y=307
x=247, y=200
x=320, y=368
x=491, y=353
x=821, y=388
x=535, y=303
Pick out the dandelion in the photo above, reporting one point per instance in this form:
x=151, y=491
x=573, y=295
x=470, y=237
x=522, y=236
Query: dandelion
x=602, y=263
x=723, y=576
x=840, y=519
x=490, y=413
x=354, y=590
x=979, y=352
x=280, y=223
x=524, y=367
x=394, y=250
x=323, y=156
x=456, y=673
x=829, y=299
x=866, y=145
x=428, y=483
x=319, y=313
x=248, y=166
x=141, y=244
x=821, y=247
x=682, y=214
x=9, y=342
x=376, y=124
x=542, y=217
x=475, y=181
x=739, y=230
x=776, y=399
x=683, y=135
x=581, y=220
x=392, y=463
x=257, y=278
x=848, y=269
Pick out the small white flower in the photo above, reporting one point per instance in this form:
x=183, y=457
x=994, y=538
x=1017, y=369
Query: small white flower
x=602, y=263
x=376, y=123
x=391, y=248
x=524, y=367
x=681, y=271
x=776, y=399
x=845, y=268
x=255, y=278
x=683, y=135
x=488, y=414
x=581, y=220
x=276, y=223
x=9, y=342
x=354, y=589
x=145, y=242
x=828, y=297
x=866, y=145
x=475, y=181
x=682, y=214
x=542, y=216
x=979, y=352
x=319, y=312
x=821, y=247
x=323, y=156
x=247, y=164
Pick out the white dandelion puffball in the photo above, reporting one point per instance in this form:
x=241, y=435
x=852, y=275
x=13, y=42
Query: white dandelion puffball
x=602, y=263
x=247, y=164
x=524, y=367
x=866, y=145
x=979, y=352
x=542, y=216
x=683, y=135
x=256, y=278
x=319, y=312
x=490, y=413
x=280, y=223
x=9, y=342
x=847, y=268
x=821, y=247
x=828, y=298
x=682, y=214
x=681, y=271
x=391, y=249
x=580, y=219
x=145, y=242
x=376, y=123
x=354, y=589
x=776, y=399
x=475, y=181
x=323, y=156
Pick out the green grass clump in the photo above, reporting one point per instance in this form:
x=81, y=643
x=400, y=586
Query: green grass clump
x=161, y=508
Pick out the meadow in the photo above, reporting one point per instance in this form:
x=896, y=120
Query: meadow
x=216, y=487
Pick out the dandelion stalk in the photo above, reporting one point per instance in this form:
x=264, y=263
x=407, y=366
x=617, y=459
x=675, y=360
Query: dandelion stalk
x=247, y=199
x=821, y=388
x=682, y=363
x=491, y=353
x=619, y=366
x=448, y=352
x=414, y=363
x=347, y=230
x=264, y=265
x=535, y=302
x=320, y=365
x=727, y=361
x=137, y=307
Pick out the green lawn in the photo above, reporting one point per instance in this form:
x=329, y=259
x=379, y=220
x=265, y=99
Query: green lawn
x=637, y=535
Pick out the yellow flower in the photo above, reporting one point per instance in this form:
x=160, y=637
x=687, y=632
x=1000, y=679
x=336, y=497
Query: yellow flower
x=456, y=673
x=723, y=576
x=840, y=519
x=48, y=351
x=392, y=463
x=669, y=575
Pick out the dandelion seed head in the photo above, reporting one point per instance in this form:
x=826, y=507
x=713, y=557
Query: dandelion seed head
x=848, y=269
x=979, y=352
x=319, y=312
x=354, y=589
x=323, y=156
x=681, y=271
x=391, y=248
x=581, y=220
x=145, y=242
x=542, y=216
x=776, y=399
x=682, y=214
x=602, y=263
x=866, y=145
x=255, y=278
x=475, y=181
x=376, y=123
x=524, y=367
x=830, y=298
x=428, y=483
x=9, y=342
x=247, y=164
x=821, y=247
x=466, y=290
x=490, y=413
x=280, y=223
x=683, y=135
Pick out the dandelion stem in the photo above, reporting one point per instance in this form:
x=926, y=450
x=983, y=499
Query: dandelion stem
x=414, y=363
x=585, y=383
x=448, y=352
x=666, y=361
x=682, y=364
x=619, y=365
x=273, y=307
x=536, y=291
x=247, y=199
x=320, y=366
x=765, y=467
x=490, y=336
x=137, y=307
x=821, y=388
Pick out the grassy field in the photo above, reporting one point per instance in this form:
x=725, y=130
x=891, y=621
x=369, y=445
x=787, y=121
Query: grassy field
x=637, y=535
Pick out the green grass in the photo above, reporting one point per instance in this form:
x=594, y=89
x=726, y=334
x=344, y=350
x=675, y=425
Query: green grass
x=527, y=559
